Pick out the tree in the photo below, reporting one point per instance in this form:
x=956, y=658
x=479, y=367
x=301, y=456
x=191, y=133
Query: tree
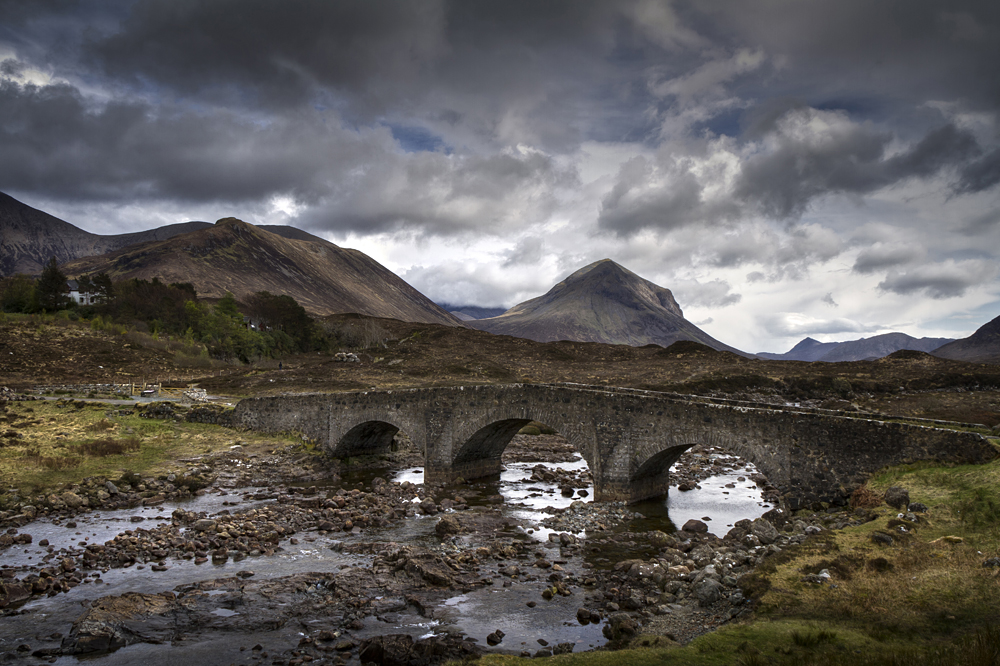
x=103, y=286
x=51, y=287
x=17, y=293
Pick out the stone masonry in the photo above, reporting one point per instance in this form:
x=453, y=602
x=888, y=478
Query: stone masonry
x=629, y=438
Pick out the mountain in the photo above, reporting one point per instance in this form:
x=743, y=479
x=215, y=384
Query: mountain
x=469, y=312
x=30, y=237
x=235, y=256
x=807, y=350
x=874, y=347
x=602, y=302
x=983, y=346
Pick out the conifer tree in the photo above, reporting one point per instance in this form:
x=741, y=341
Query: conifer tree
x=51, y=288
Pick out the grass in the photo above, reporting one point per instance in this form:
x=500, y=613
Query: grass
x=62, y=442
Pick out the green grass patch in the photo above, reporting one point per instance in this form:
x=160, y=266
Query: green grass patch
x=54, y=443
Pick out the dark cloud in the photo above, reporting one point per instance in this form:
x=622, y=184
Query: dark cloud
x=949, y=279
x=56, y=141
x=276, y=54
x=887, y=55
x=881, y=257
x=980, y=174
x=817, y=154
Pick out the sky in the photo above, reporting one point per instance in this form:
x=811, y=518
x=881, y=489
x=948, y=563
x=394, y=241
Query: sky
x=788, y=168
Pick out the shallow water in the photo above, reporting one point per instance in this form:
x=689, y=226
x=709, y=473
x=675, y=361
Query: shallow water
x=476, y=613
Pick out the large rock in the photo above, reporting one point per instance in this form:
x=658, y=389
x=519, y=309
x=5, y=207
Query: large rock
x=388, y=650
x=12, y=593
x=107, y=624
x=695, y=526
x=72, y=500
x=708, y=591
x=447, y=525
x=765, y=532
x=897, y=497
x=619, y=627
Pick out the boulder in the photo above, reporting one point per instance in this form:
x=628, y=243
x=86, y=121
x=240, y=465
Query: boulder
x=72, y=500
x=765, y=532
x=695, y=526
x=708, y=591
x=619, y=626
x=388, y=650
x=447, y=525
x=897, y=497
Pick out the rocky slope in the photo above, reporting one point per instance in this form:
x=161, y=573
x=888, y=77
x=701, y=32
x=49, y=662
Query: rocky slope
x=30, y=237
x=235, y=256
x=874, y=347
x=602, y=302
x=983, y=346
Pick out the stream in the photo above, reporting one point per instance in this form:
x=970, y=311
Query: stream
x=719, y=501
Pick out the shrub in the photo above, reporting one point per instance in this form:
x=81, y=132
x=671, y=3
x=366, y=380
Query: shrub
x=101, y=426
x=864, y=497
x=110, y=447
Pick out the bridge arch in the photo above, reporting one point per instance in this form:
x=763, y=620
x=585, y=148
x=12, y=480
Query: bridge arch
x=366, y=438
x=480, y=438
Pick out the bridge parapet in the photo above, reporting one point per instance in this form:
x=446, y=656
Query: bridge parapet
x=629, y=437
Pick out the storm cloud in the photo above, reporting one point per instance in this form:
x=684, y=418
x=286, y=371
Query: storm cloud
x=753, y=155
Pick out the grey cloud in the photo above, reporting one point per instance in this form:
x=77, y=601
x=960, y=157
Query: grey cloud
x=794, y=324
x=276, y=54
x=435, y=193
x=507, y=71
x=527, y=252
x=657, y=195
x=981, y=174
x=939, y=281
x=710, y=294
x=882, y=256
x=828, y=299
x=846, y=158
x=56, y=142
x=884, y=55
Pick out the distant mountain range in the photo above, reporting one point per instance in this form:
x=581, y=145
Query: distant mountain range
x=602, y=302
x=983, y=346
x=470, y=312
x=855, y=350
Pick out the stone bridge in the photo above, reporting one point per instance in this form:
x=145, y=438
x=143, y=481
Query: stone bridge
x=629, y=438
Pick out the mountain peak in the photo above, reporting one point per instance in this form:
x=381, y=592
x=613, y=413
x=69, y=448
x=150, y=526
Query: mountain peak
x=601, y=302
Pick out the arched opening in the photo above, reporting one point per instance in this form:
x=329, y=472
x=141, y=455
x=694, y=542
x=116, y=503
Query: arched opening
x=542, y=467
x=368, y=438
x=532, y=470
x=707, y=483
x=481, y=454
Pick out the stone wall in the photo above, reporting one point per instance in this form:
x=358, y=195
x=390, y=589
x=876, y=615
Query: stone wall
x=630, y=438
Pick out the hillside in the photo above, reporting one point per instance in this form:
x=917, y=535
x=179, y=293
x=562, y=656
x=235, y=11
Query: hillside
x=874, y=347
x=602, y=302
x=983, y=346
x=234, y=256
x=30, y=237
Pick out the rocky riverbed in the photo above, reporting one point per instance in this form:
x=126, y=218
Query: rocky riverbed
x=277, y=559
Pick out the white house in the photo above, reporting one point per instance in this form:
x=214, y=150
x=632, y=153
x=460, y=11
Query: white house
x=81, y=297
